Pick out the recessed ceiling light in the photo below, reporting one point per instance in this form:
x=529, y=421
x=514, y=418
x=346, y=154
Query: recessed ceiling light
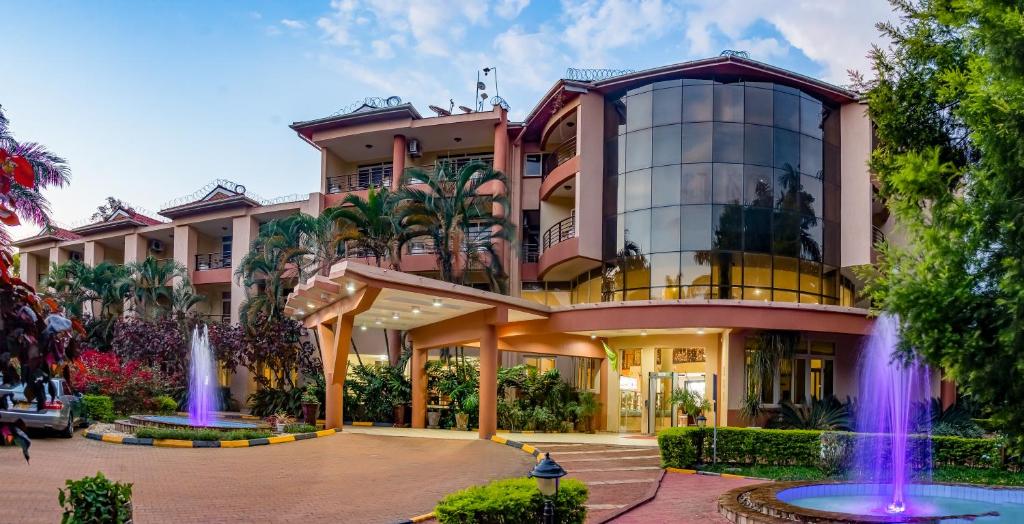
x=377, y=321
x=394, y=315
x=643, y=333
x=592, y=336
x=310, y=305
x=362, y=327
x=700, y=331
x=567, y=187
x=350, y=287
x=570, y=124
x=437, y=302
x=415, y=310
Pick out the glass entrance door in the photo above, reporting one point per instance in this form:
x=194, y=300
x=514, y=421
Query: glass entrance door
x=660, y=402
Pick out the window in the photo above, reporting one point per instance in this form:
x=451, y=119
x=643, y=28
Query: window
x=810, y=374
x=665, y=188
x=638, y=189
x=697, y=142
x=668, y=106
x=727, y=144
x=225, y=304
x=638, y=113
x=540, y=363
x=638, y=149
x=697, y=103
x=728, y=103
x=664, y=224
x=666, y=145
x=534, y=165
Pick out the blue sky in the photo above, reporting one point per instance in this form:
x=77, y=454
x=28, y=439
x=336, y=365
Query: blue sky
x=152, y=100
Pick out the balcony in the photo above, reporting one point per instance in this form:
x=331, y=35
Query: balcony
x=877, y=236
x=456, y=163
x=563, y=230
x=208, y=261
x=360, y=181
x=530, y=252
x=562, y=154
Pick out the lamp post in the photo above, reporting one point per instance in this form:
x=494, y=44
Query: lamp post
x=702, y=421
x=547, y=472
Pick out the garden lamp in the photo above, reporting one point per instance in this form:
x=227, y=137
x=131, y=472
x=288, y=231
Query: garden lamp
x=547, y=472
x=702, y=420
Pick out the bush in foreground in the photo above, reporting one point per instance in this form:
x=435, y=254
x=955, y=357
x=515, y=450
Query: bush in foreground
x=200, y=434
x=299, y=428
x=512, y=500
x=95, y=499
x=98, y=407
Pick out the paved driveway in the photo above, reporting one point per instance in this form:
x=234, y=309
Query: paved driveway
x=341, y=478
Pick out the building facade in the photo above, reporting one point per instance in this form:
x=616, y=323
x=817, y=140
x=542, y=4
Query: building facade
x=663, y=218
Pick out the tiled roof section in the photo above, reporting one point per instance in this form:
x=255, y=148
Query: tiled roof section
x=62, y=233
x=51, y=234
x=139, y=217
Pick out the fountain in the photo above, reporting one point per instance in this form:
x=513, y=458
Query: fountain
x=891, y=459
x=202, y=393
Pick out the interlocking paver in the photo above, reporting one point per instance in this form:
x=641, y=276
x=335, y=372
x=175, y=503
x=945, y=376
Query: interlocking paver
x=341, y=478
x=684, y=499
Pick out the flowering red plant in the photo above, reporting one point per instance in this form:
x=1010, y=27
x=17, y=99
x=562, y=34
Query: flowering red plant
x=132, y=385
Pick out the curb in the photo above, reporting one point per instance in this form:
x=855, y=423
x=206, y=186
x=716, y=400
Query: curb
x=713, y=474
x=171, y=443
x=518, y=445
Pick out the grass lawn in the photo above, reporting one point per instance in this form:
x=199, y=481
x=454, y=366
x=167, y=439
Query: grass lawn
x=958, y=474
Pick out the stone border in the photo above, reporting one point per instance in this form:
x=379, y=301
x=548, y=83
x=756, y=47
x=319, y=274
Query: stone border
x=759, y=504
x=173, y=443
x=714, y=474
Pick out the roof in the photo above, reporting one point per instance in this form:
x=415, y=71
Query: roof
x=223, y=194
x=50, y=234
x=719, y=66
x=120, y=218
x=360, y=115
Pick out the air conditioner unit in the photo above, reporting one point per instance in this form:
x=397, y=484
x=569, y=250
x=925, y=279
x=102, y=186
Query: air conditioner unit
x=414, y=147
x=156, y=246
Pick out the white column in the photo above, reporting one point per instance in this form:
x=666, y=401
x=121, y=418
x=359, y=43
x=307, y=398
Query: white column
x=136, y=248
x=29, y=270
x=58, y=256
x=243, y=230
x=185, y=244
x=94, y=253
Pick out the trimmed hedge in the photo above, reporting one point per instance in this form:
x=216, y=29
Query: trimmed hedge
x=299, y=428
x=165, y=405
x=200, y=434
x=784, y=447
x=512, y=500
x=98, y=407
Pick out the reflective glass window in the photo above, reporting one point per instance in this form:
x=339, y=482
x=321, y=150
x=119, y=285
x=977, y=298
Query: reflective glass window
x=665, y=185
x=786, y=233
x=728, y=103
x=638, y=149
x=810, y=156
x=757, y=229
x=757, y=104
x=696, y=181
x=757, y=186
x=810, y=238
x=786, y=111
x=638, y=189
x=810, y=117
x=695, y=226
x=667, y=146
x=728, y=224
x=638, y=112
x=727, y=144
x=787, y=189
x=787, y=149
x=665, y=270
x=697, y=142
x=694, y=275
x=697, y=103
x=757, y=145
x=668, y=106
x=638, y=229
x=664, y=228
x=728, y=183
x=810, y=195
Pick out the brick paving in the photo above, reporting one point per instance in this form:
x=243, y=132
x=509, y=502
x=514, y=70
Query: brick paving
x=684, y=498
x=617, y=476
x=341, y=478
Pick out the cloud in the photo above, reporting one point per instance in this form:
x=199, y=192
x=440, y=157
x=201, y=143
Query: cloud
x=762, y=49
x=293, y=24
x=510, y=9
x=596, y=27
x=336, y=26
x=519, y=51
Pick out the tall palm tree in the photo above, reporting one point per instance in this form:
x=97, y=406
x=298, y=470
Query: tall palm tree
x=373, y=223
x=184, y=297
x=74, y=284
x=321, y=240
x=48, y=169
x=270, y=267
x=150, y=285
x=451, y=208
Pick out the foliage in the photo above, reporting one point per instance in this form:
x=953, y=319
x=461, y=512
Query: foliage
x=311, y=394
x=150, y=287
x=512, y=500
x=300, y=428
x=73, y=284
x=948, y=110
x=376, y=390
x=453, y=209
x=165, y=405
x=954, y=421
x=278, y=345
x=751, y=407
x=823, y=414
x=201, y=434
x=770, y=348
x=161, y=343
x=267, y=270
x=693, y=403
x=28, y=168
x=836, y=453
x=267, y=401
x=966, y=475
x=372, y=224
x=132, y=386
x=109, y=207
x=98, y=407
x=96, y=500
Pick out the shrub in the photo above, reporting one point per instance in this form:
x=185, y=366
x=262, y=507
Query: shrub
x=165, y=405
x=94, y=500
x=132, y=386
x=512, y=500
x=804, y=448
x=299, y=428
x=201, y=434
x=98, y=407
x=268, y=401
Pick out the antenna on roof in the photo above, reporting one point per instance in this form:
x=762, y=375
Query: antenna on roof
x=465, y=109
x=440, y=111
x=481, y=96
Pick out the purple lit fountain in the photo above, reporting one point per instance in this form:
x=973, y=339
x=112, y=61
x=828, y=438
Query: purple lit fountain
x=202, y=382
x=893, y=404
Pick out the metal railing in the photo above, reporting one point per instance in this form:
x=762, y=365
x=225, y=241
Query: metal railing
x=562, y=154
x=211, y=317
x=207, y=261
x=530, y=252
x=877, y=236
x=563, y=230
x=455, y=164
x=359, y=181
x=420, y=246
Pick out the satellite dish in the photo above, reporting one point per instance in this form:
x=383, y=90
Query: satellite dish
x=240, y=189
x=465, y=109
x=393, y=101
x=440, y=111
x=483, y=96
x=481, y=86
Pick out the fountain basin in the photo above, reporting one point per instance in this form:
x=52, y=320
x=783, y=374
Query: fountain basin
x=180, y=422
x=846, y=502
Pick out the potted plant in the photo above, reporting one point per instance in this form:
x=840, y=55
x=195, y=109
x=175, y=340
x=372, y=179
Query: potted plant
x=310, y=404
x=586, y=409
x=691, y=403
x=280, y=420
x=469, y=405
x=399, y=392
x=96, y=499
x=433, y=419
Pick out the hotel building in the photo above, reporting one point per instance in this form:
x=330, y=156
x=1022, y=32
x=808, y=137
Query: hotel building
x=663, y=218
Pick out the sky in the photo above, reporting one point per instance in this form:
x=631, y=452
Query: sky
x=150, y=101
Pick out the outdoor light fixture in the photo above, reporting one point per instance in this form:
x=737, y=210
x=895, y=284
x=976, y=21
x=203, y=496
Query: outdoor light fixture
x=643, y=332
x=700, y=331
x=437, y=302
x=702, y=420
x=592, y=336
x=377, y=322
x=547, y=472
x=457, y=139
x=310, y=305
x=350, y=287
x=394, y=315
x=369, y=146
x=362, y=327
x=415, y=310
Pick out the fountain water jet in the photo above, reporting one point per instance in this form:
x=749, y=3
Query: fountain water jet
x=202, y=380
x=893, y=392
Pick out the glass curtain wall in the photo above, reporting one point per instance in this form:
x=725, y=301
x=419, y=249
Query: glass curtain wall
x=719, y=189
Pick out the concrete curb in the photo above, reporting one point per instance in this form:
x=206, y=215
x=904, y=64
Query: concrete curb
x=713, y=474
x=171, y=443
x=519, y=445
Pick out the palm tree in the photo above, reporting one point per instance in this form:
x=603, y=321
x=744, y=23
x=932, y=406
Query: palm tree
x=74, y=284
x=270, y=267
x=48, y=169
x=454, y=212
x=150, y=284
x=183, y=297
x=373, y=222
x=321, y=239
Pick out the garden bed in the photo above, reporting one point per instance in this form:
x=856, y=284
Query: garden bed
x=201, y=438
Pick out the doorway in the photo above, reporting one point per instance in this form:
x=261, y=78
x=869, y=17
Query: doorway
x=662, y=413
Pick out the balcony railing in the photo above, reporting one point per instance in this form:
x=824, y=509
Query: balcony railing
x=209, y=261
x=877, y=236
x=420, y=246
x=530, y=252
x=211, y=317
x=562, y=154
x=563, y=230
x=359, y=181
x=455, y=164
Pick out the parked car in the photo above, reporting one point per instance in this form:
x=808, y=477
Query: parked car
x=62, y=410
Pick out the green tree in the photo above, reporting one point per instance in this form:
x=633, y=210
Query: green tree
x=150, y=285
x=268, y=269
x=373, y=224
x=74, y=284
x=948, y=106
x=455, y=210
